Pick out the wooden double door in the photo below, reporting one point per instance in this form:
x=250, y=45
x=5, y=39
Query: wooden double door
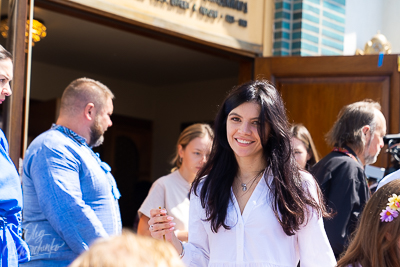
x=314, y=90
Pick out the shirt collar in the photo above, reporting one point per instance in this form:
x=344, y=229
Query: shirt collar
x=69, y=132
x=351, y=151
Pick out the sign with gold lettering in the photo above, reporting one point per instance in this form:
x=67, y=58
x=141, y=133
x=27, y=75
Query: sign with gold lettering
x=231, y=23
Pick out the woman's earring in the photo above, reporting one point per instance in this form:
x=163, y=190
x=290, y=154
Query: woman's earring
x=180, y=159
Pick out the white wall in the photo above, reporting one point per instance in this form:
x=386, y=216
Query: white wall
x=391, y=23
x=364, y=18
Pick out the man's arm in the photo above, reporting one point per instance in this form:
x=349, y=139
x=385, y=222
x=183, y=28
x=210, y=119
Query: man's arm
x=55, y=175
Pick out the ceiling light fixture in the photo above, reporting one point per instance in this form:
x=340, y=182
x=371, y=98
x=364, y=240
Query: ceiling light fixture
x=38, y=30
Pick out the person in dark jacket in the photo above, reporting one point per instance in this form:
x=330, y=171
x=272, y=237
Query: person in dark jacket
x=356, y=138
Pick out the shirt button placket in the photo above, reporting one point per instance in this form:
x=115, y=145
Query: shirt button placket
x=240, y=240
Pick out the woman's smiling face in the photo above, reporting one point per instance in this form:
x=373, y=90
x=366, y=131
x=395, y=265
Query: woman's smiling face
x=242, y=130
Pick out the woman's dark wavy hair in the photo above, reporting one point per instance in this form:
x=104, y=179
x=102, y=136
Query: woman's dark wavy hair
x=291, y=202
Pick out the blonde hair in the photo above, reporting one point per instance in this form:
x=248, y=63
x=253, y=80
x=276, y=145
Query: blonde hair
x=188, y=134
x=371, y=246
x=128, y=250
x=300, y=132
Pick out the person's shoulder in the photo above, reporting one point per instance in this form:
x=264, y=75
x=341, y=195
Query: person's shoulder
x=388, y=178
x=308, y=181
x=39, y=140
x=327, y=160
x=338, y=157
x=50, y=140
x=306, y=176
x=196, y=194
x=166, y=179
x=337, y=161
x=339, y=167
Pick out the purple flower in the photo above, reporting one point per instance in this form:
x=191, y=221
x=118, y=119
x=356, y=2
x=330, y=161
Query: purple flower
x=388, y=214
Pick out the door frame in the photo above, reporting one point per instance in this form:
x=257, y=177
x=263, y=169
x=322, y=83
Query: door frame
x=276, y=68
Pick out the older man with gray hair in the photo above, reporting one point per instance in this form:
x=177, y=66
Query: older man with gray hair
x=70, y=196
x=356, y=138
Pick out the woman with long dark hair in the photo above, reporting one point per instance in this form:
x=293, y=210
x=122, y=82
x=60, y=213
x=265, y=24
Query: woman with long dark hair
x=250, y=204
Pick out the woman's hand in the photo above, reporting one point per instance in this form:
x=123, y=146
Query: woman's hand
x=160, y=224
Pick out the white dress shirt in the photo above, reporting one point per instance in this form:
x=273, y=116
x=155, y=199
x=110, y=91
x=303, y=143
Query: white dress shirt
x=256, y=238
x=388, y=178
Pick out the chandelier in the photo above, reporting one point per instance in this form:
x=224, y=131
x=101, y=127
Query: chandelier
x=38, y=30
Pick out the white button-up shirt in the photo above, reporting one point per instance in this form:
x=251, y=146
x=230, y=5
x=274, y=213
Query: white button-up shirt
x=256, y=239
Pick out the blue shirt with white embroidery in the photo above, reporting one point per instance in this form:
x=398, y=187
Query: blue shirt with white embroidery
x=70, y=198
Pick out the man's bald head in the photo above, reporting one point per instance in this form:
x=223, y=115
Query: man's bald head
x=81, y=92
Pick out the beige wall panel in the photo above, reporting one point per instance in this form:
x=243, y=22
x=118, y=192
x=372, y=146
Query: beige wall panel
x=192, y=23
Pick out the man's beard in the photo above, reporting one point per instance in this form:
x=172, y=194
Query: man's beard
x=370, y=159
x=96, y=134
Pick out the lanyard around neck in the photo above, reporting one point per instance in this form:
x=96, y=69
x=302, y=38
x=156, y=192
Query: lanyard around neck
x=344, y=151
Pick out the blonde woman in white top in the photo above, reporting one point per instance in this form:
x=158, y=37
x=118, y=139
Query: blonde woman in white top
x=250, y=205
x=172, y=191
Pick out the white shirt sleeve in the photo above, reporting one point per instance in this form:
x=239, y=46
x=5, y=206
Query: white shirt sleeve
x=314, y=247
x=197, y=250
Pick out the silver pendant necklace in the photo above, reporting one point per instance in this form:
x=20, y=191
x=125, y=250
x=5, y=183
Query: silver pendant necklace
x=244, y=185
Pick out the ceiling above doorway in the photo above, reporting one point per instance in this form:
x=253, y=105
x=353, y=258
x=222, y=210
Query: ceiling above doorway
x=83, y=45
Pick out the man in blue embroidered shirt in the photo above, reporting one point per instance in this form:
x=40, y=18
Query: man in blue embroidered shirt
x=70, y=196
